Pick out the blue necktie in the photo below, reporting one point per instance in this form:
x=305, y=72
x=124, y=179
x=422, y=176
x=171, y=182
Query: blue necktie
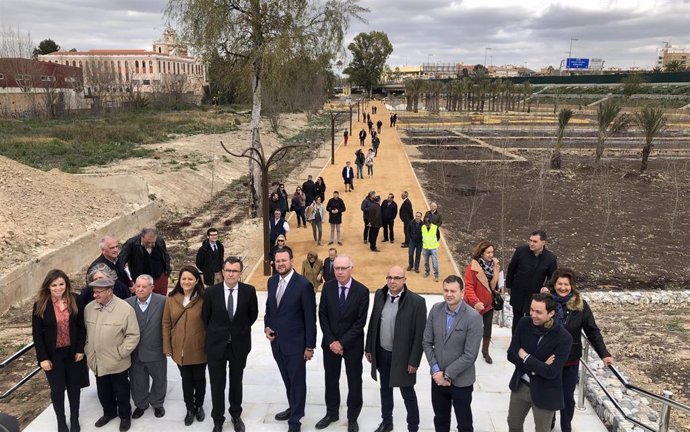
x=342, y=298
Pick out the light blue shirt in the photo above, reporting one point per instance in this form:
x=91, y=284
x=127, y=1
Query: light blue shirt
x=143, y=306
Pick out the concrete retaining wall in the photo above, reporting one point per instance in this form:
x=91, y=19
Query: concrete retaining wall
x=22, y=283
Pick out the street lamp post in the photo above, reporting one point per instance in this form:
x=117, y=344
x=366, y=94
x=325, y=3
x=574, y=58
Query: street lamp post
x=334, y=116
x=486, y=50
x=570, y=51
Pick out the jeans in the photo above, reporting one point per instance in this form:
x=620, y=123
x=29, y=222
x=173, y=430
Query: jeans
x=370, y=170
x=414, y=254
x=383, y=365
x=359, y=172
x=301, y=219
x=434, y=261
x=317, y=230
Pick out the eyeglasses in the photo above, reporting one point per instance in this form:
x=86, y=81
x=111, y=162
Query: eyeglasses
x=341, y=268
x=281, y=241
x=395, y=278
x=232, y=271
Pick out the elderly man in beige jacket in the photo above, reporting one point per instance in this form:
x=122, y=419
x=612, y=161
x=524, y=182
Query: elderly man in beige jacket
x=112, y=333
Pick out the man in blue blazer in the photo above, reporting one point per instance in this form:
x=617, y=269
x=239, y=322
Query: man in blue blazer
x=342, y=316
x=291, y=328
x=539, y=349
x=451, y=342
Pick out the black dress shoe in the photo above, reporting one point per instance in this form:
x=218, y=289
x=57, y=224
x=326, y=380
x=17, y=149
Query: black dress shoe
x=238, y=424
x=383, y=427
x=138, y=412
x=189, y=418
x=200, y=414
x=218, y=427
x=125, y=424
x=103, y=421
x=327, y=420
x=159, y=412
x=352, y=426
x=283, y=415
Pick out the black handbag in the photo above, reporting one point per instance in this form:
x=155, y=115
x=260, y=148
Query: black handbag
x=83, y=371
x=497, y=302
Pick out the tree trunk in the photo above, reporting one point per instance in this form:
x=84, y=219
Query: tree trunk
x=255, y=137
x=646, y=150
x=600, y=149
x=556, y=159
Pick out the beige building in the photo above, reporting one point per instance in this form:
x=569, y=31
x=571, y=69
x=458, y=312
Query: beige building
x=115, y=75
x=670, y=54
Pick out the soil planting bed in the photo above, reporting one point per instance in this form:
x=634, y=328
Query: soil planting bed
x=457, y=153
x=451, y=140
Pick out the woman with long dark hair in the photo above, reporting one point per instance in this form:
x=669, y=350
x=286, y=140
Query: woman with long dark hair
x=59, y=335
x=184, y=337
x=298, y=205
x=481, y=282
x=574, y=313
x=320, y=188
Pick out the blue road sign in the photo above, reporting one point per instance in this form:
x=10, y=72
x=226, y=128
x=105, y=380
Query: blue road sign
x=577, y=63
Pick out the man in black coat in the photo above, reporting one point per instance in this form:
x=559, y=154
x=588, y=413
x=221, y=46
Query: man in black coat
x=362, y=137
x=406, y=215
x=394, y=345
x=342, y=315
x=539, y=350
x=374, y=222
x=413, y=231
x=335, y=209
x=328, y=271
x=389, y=211
x=146, y=253
x=308, y=189
x=366, y=203
x=229, y=310
x=109, y=256
x=529, y=269
x=348, y=177
x=209, y=258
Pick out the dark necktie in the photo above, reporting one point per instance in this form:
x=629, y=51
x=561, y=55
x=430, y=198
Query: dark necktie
x=230, y=305
x=342, y=298
x=394, y=298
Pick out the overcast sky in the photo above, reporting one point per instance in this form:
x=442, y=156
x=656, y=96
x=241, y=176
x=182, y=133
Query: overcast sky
x=535, y=33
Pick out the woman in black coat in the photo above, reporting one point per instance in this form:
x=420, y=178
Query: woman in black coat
x=59, y=335
x=320, y=188
x=575, y=315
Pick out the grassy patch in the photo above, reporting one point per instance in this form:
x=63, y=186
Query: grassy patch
x=76, y=143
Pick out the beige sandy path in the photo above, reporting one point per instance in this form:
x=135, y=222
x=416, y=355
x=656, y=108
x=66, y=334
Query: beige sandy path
x=392, y=174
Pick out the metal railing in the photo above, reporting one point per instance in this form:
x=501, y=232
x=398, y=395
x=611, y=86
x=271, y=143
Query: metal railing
x=665, y=399
x=26, y=377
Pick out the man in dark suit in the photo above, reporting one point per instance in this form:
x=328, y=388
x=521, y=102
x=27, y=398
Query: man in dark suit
x=539, y=349
x=328, y=272
x=389, y=211
x=342, y=315
x=348, y=177
x=406, y=215
x=209, y=258
x=109, y=256
x=230, y=308
x=146, y=253
x=452, y=337
x=394, y=345
x=374, y=222
x=148, y=375
x=529, y=269
x=291, y=328
x=308, y=189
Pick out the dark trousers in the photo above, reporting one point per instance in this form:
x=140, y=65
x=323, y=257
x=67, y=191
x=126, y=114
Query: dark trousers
x=414, y=254
x=353, y=369
x=517, y=315
x=366, y=230
x=301, y=219
x=570, y=376
x=383, y=365
x=193, y=385
x=388, y=230
x=373, y=235
x=407, y=236
x=113, y=393
x=217, y=374
x=65, y=375
x=457, y=398
x=293, y=370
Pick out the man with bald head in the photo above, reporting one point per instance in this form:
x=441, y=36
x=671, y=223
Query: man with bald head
x=342, y=316
x=394, y=345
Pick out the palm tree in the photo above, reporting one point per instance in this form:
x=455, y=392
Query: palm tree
x=412, y=91
x=526, y=93
x=564, y=116
x=652, y=121
x=609, y=122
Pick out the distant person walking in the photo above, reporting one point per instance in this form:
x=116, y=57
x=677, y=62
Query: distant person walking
x=430, y=244
x=406, y=215
x=360, y=159
x=369, y=162
x=374, y=222
x=413, y=231
x=362, y=137
x=335, y=209
x=389, y=211
x=346, y=135
x=298, y=204
x=379, y=124
x=375, y=143
x=348, y=177
x=316, y=215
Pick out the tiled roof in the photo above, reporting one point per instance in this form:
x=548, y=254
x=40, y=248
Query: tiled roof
x=107, y=52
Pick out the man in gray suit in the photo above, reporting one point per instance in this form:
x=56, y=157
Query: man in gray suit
x=451, y=342
x=148, y=360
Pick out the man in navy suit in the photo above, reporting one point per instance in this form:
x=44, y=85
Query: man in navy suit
x=291, y=328
x=348, y=177
x=230, y=308
x=342, y=316
x=539, y=349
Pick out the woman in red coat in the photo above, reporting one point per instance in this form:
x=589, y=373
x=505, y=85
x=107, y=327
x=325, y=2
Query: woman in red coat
x=481, y=280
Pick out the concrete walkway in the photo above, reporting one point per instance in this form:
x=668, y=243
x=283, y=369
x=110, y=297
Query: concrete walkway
x=264, y=394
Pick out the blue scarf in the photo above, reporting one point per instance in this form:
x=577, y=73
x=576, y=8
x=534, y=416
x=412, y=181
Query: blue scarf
x=561, y=306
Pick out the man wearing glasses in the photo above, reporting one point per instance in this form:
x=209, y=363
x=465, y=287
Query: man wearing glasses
x=342, y=315
x=394, y=345
x=230, y=308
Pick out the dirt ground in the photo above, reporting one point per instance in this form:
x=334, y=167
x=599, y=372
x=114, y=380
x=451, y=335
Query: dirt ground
x=617, y=229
